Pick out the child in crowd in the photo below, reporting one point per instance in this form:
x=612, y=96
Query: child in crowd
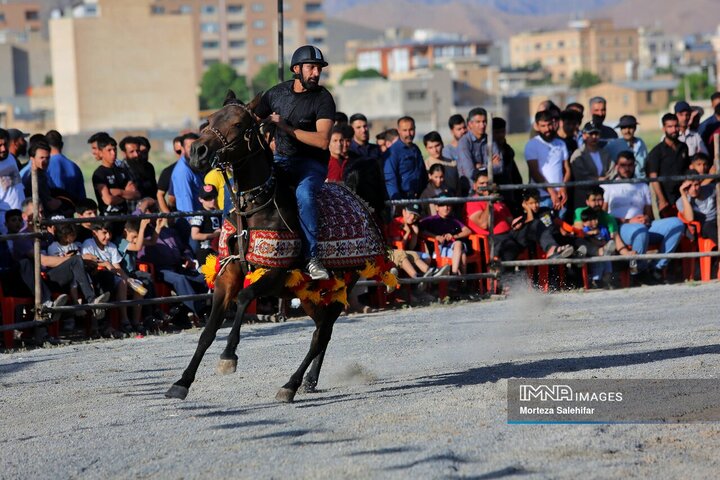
x=434, y=145
x=206, y=230
x=435, y=187
x=86, y=208
x=136, y=234
x=109, y=274
x=598, y=242
x=450, y=233
x=405, y=230
x=701, y=166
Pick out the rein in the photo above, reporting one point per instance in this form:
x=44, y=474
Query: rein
x=243, y=201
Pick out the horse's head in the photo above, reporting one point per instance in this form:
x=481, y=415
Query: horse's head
x=231, y=132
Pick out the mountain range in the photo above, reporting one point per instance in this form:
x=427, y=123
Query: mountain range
x=499, y=19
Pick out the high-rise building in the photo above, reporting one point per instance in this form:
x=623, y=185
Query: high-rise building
x=243, y=33
x=17, y=19
x=594, y=46
x=115, y=65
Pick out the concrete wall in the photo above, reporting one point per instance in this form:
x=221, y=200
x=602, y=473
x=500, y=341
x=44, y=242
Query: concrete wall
x=113, y=73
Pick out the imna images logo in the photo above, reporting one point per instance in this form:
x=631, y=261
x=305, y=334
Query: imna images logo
x=544, y=393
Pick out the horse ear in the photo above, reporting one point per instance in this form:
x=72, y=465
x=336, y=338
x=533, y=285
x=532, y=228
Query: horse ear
x=255, y=102
x=229, y=97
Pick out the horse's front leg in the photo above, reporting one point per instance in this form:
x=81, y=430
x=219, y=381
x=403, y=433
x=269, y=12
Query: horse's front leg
x=226, y=288
x=228, y=358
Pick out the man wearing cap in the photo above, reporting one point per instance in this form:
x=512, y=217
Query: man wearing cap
x=692, y=139
x=303, y=113
x=628, y=126
x=12, y=193
x=589, y=162
x=17, y=146
x=669, y=157
x=206, y=230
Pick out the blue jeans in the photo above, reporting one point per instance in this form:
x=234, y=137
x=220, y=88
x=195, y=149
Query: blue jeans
x=307, y=176
x=187, y=283
x=667, y=232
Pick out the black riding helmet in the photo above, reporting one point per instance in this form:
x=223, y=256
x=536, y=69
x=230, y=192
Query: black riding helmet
x=308, y=54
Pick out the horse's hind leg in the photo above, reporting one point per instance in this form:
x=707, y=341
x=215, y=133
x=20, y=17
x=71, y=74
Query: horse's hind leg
x=228, y=358
x=225, y=291
x=324, y=318
x=311, y=379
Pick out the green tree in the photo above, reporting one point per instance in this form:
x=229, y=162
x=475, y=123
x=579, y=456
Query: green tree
x=354, y=73
x=215, y=83
x=267, y=77
x=584, y=79
x=698, y=85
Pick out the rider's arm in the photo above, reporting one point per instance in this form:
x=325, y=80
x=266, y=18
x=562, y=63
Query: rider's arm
x=319, y=139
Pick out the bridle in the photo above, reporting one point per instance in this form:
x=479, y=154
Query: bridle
x=222, y=159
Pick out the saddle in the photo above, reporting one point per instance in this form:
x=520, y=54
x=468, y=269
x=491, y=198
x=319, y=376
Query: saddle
x=347, y=235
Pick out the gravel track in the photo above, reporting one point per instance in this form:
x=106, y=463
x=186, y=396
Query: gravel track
x=415, y=393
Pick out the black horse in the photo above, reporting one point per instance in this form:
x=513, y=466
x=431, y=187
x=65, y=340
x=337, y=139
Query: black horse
x=233, y=138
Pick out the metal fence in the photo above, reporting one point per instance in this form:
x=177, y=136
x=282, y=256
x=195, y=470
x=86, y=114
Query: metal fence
x=39, y=223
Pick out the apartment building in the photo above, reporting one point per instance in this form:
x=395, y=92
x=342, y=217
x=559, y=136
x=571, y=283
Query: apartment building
x=243, y=33
x=587, y=45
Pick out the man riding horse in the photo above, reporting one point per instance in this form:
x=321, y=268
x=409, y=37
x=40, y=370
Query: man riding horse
x=303, y=113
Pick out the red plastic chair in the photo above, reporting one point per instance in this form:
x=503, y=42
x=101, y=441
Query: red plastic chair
x=9, y=309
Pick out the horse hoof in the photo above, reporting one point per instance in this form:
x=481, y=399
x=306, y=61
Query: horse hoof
x=226, y=366
x=285, y=395
x=177, y=391
x=308, y=388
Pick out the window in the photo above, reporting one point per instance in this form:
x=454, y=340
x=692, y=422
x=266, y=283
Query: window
x=548, y=46
x=261, y=58
x=31, y=15
x=561, y=44
x=311, y=24
x=237, y=43
x=2, y=17
x=258, y=7
x=317, y=41
x=237, y=62
x=260, y=42
x=649, y=97
x=210, y=61
x=561, y=59
x=538, y=46
x=185, y=9
x=313, y=7
x=235, y=9
x=235, y=27
x=208, y=9
x=210, y=44
x=209, y=27
x=259, y=24
x=416, y=94
x=157, y=10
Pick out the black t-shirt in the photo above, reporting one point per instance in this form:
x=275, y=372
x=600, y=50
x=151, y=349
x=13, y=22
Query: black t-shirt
x=299, y=110
x=163, y=182
x=142, y=174
x=665, y=161
x=112, y=177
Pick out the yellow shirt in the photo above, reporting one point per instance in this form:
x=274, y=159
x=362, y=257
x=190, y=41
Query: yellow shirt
x=215, y=177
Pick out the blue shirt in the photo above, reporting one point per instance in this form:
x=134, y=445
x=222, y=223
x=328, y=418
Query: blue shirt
x=64, y=174
x=614, y=147
x=472, y=151
x=405, y=172
x=185, y=185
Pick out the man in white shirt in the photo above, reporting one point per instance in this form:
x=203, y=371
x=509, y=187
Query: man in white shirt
x=548, y=161
x=631, y=205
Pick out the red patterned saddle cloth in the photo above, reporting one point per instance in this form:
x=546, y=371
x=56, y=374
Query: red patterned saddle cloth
x=347, y=235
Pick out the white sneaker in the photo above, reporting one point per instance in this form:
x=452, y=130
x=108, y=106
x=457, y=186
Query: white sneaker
x=60, y=301
x=442, y=271
x=100, y=312
x=316, y=270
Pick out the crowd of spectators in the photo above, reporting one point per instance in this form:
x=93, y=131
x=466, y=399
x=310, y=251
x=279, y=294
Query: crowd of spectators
x=121, y=260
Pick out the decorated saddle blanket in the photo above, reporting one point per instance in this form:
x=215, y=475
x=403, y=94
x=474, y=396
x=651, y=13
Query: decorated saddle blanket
x=347, y=235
